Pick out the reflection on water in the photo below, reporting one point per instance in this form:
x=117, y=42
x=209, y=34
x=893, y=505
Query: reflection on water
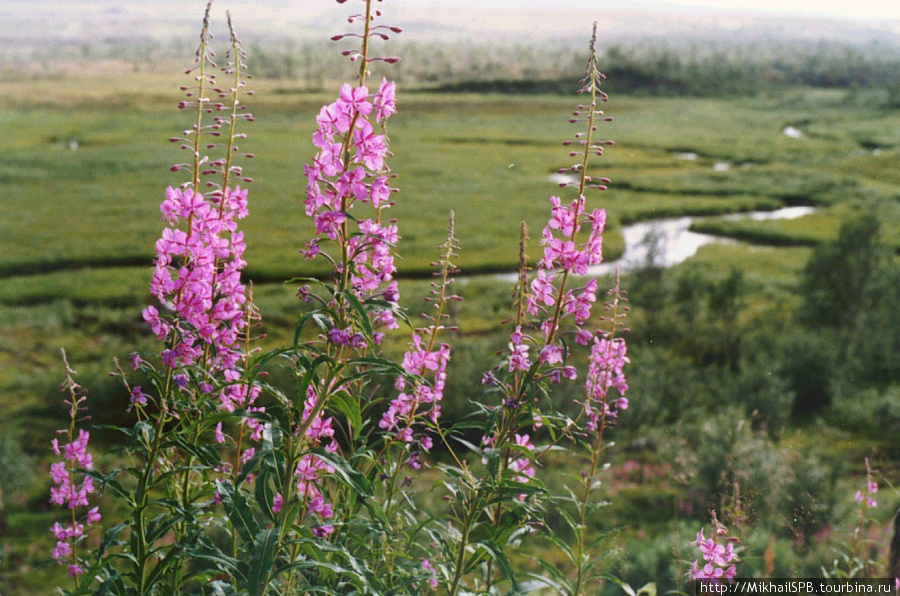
x=671, y=242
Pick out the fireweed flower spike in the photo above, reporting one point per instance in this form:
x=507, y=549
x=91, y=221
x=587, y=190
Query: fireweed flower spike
x=71, y=486
x=547, y=297
x=552, y=315
x=865, y=498
x=199, y=257
x=312, y=494
x=350, y=171
x=202, y=317
x=543, y=355
x=420, y=401
x=718, y=553
x=347, y=196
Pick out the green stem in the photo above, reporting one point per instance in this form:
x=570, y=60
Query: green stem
x=582, y=513
x=461, y=556
x=142, y=494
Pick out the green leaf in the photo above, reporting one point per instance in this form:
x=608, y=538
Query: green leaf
x=349, y=407
x=363, y=315
x=381, y=366
x=109, y=481
x=205, y=552
x=357, y=481
x=169, y=561
x=263, y=490
x=160, y=525
x=503, y=564
x=272, y=436
x=648, y=589
x=559, y=581
x=114, y=586
x=265, y=545
x=145, y=431
x=111, y=538
x=220, y=588
x=205, y=454
x=238, y=510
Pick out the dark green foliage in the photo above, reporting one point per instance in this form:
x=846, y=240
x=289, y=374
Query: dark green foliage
x=766, y=395
x=808, y=359
x=874, y=350
x=811, y=498
x=15, y=473
x=836, y=279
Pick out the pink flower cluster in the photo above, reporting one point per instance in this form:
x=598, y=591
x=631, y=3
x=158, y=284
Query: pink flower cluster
x=868, y=495
x=420, y=399
x=558, y=238
x=562, y=257
x=66, y=491
x=197, y=279
x=522, y=466
x=349, y=169
x=605, y=372
x=432, y=573
x=719, y=558
x=311, y=469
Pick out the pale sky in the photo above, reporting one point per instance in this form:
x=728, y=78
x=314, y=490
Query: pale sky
x=854, y=9
x=97, y=19
x=857, y=9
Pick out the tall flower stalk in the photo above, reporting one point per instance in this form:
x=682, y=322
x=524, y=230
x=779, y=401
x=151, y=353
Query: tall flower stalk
x=551, y=314
x=72, y=485
x=201, y=319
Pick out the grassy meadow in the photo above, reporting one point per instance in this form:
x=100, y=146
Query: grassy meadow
x=85, y=159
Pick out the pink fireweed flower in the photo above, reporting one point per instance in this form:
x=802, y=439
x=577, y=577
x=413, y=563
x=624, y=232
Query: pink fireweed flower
x=562, y=252
x=518, y=351
x=719, y=557
x=543, y=293
x=277, y=503
x=385, y=105
x=522, y=466
x=352, y=100
x=197, y=276
x=137, y=396
x=329, y=223
x=867, y=494
x=421, y=399
x=605, y=372
x=551, y=354
x=432, y=572
x=218, y=434
x=380, y=192
x=565, y=218
x=311, y=469
x=349, y=169
x=70, y=483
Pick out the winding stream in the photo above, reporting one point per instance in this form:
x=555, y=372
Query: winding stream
x=671, y=240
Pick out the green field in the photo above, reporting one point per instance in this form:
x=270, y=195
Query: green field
x=84, y=163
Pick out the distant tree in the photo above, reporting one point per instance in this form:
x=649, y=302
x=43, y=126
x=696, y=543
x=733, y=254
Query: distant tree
x=850, y=301
x=836, y=278
x=874, y=346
